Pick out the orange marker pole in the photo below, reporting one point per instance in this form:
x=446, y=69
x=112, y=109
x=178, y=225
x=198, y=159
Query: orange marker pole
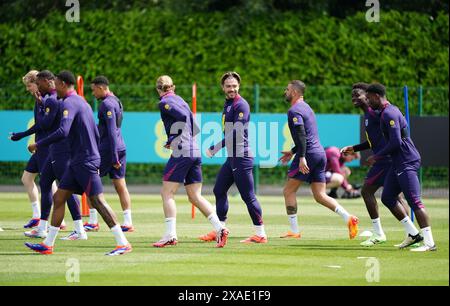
x=194, y=111
x=84, y=205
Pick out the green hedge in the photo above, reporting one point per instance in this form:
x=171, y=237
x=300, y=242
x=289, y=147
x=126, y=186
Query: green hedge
x=135, y=47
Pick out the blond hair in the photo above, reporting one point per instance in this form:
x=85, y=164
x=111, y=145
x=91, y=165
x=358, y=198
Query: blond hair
x=30, y=77
x=165, y=83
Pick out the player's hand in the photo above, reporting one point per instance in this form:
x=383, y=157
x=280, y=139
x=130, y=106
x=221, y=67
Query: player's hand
x=347, y=150
x=37, y=96
x=12, y=136
x=303, y=167
x=371, y=160
x=209, y=153
x=287, y=156
x=117, y=165
x=167, y=146
x=32, y=148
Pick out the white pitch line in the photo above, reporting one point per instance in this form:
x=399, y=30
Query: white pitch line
x=333, y=267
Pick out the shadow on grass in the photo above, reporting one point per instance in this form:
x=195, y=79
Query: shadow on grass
x=340, y=248
x=19, y=254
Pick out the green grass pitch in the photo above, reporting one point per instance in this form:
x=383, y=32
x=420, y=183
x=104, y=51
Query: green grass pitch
x=324, y=255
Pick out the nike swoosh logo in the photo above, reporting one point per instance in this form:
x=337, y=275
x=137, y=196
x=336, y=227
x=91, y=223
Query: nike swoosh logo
x=398, y=174
x=53, y=161
x=234, y=169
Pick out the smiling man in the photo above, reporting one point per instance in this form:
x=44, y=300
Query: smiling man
x=238, y=168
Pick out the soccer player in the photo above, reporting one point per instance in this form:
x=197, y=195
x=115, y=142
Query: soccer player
x=184, y=165
x=78, y=125
x=402, y=175
x=309, y=162
x=112, y=150
x=377, y=173
x=238, y=167
x=57, y=161
x=36, y=160
x=337, y=173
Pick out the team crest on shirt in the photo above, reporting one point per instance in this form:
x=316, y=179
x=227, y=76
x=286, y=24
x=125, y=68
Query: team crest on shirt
x=228, y=109
x=241, y=115
x=109, y=114
x=366, y=122
x=295, y=120
x=47, y=110
x=392, y=123
x=167, y=106
x=65, y=113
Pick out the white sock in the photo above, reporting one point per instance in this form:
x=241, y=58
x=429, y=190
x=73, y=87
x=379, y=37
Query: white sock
x=428, y=236
x=93, y=219
x=377, y=227
x=409, y=226
x=51, y=237
x=79, y=228
x=215, y=222
x=259, y=229
x=121, y=240
x=223, y=223
x=127, y=218
x=171, y=227
x=342, y=212
x=43, y=224
x=293, y=220
x=36, y=210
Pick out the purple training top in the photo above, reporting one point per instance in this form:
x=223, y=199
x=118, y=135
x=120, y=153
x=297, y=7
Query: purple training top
x=398, y=143
x=302, y=114
x=374, y=135
x=78, y=125
x=235, y=120
x=110, y=115
x=51, y=121
x=179, y=125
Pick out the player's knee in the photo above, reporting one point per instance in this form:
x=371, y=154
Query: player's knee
x=287, y=192
x=248, y=198
x=366, y=192
x=95, y=202
x=388, y=200
x=194, y=197
x=167, y=193
x=218, y=191
x=26, y=179
x=58, y=199
x=320, y=197
x=119, y=185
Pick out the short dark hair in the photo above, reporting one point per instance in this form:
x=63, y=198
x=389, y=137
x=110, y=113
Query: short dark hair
x=100, y=80
x=230, y=74
x=360, y=85
x=67, y=77
x=377, y=88
x=46, y=75
x=298, y=86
